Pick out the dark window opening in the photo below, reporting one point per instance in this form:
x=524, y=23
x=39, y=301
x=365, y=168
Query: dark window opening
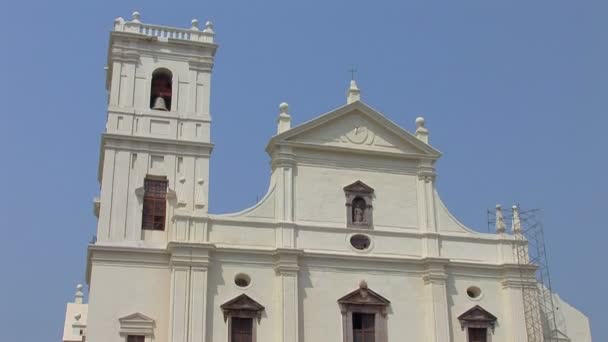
x=363, y=327
x=242, y=329
x=478, y=335
x=136, y=338
x=160, y=94
x=155, y=204
x=360, y=241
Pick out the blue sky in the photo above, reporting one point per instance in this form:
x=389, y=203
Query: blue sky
x=514, y=94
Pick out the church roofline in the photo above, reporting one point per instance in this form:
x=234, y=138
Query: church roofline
x=281, y=139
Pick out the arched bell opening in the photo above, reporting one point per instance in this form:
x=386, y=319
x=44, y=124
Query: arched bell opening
x=162, y=90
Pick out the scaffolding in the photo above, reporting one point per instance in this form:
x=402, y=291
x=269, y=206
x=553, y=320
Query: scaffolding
x=539, y=308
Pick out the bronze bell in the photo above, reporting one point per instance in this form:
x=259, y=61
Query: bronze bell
x=159, y=104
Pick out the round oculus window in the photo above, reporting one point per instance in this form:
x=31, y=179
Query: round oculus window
x=473, y=292
x=360, y=241
x=242, y=280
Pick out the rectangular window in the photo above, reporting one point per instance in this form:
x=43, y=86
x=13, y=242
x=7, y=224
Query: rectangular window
x=363, y=327
x=241, y=329
x=136, y=338
x=478, y=335
x=155, y=204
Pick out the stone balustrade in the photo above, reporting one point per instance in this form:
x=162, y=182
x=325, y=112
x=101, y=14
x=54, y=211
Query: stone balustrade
x=164, y=32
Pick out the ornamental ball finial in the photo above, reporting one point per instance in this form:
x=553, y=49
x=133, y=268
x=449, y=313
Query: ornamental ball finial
x=194, y=23
x=79, y=287
x=420, y=121
x=498, y=206
x=208, y=27
x=136, y=16
x=363, y=284
x=284, y=107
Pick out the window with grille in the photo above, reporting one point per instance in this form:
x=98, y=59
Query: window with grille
x=136, y=338
x=241, y=329
x=363, y=327
x=478, y=335
x=155, y=204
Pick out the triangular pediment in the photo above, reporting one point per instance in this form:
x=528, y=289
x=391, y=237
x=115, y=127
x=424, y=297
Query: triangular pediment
x=356, y=127
x=242, y=303
x=359, y=187
x=477, y=314
x=363, y=296
x=136, y=318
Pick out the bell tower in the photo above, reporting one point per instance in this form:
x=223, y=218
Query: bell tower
x=154, y=163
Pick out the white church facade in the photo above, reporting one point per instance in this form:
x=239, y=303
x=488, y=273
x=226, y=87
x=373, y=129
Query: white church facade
x=351, y=243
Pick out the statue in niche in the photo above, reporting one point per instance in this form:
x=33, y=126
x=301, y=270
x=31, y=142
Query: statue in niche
x=359, y=211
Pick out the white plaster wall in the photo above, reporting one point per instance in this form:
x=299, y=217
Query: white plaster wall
x=244, y=235
x=571, y=321
x=221, y=288
x=125, y=170
x=321, y=198
x=120, y=290
x=491, y=300
x=321, y=287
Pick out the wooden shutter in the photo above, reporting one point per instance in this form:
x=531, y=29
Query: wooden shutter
x=242, y=329
x=478, y=335
x=155, y=204
x=364, y=327
x=134, y=338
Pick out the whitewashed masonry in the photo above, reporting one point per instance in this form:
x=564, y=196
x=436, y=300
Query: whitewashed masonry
x=350, y=236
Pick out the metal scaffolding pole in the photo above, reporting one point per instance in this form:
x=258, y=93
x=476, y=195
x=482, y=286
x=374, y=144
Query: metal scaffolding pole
x=539, y=309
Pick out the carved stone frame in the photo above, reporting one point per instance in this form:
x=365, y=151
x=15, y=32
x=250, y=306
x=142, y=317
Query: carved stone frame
x=361, y=190
x=242, y=307
x=477, y=317
x=137, y=324
x=364, y=300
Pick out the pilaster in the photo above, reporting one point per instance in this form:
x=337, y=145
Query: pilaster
x=516, y=280
x=427, y=214
x=286, y=268
x=189, y=272
x=438, y=318
x=284, y=168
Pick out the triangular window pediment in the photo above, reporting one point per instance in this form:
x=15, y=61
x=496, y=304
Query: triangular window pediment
x=363, y=296
x=136, y=317
x=477, y=317
x=136, y=324
x=359, y=187
x=242, y=306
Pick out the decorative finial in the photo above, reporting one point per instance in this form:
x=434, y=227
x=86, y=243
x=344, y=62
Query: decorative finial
x=422, y=133
x=353, y=94
x=209, y=27
x=363, y=284
x=135, y=17
x=194, y=26
x=419, y=122
x=516, y=224
x=78, y=295
x=284, y=120
x=500, y=220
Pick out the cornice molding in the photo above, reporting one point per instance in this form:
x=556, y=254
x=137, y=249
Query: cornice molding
x=151, y=145
x=159, y=114
x=190, y=254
